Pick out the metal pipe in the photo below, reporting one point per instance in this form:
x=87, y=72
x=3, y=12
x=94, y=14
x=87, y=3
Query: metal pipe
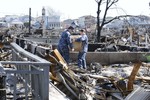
x=24, y=63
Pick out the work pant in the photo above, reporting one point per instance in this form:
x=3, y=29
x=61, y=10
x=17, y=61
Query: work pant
x=82, y=60
x=64, y=51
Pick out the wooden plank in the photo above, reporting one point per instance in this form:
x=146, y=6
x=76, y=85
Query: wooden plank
x=133, y=75
x=58, y=56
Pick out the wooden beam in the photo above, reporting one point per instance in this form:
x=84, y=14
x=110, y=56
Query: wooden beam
x=133, y=75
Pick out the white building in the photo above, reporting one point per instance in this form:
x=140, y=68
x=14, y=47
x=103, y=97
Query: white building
x=86, y=21
x=9, y=18
x=53, y=22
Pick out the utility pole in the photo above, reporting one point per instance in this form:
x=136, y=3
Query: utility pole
x=29, y=20
x=43, y=21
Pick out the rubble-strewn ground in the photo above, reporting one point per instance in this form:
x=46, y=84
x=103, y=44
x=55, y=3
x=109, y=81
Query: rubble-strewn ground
x=98, y=82
x=110, y=81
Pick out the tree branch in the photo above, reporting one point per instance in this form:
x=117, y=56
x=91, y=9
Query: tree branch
x=118, y=17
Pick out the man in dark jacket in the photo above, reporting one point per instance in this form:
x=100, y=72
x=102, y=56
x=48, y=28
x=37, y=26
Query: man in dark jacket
x=65, y=44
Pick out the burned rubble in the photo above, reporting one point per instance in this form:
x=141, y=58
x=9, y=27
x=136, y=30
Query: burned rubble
x=123, y=44
x=99, y=81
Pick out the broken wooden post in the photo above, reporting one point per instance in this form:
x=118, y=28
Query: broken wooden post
x=133, y=75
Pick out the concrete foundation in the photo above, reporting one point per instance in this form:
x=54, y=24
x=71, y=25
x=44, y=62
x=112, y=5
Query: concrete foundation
x=113, y=57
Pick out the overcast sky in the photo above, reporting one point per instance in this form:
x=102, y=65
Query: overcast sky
x=72, y=8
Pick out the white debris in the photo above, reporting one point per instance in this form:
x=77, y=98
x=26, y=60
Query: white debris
x=108, y=73
x=55, y=94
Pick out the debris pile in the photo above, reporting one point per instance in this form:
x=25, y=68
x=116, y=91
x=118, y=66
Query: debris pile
x=98, y=82
x=123, y=44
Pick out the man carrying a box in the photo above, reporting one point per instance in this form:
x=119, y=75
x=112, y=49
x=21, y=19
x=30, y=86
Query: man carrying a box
x=65, y=44
x=82, y=53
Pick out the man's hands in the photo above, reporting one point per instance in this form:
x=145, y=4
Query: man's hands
x=73, y=40
x=72, y=49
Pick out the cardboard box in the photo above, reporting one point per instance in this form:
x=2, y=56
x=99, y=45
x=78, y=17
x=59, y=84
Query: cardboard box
x=77, y=45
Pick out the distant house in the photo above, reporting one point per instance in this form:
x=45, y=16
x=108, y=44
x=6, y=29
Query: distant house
x=66, y=23
x=36, y=24
x=86, y=21
x=53, y=22
x=16, y=23
x=9, y=18
x=25, y=18
x=3, y=24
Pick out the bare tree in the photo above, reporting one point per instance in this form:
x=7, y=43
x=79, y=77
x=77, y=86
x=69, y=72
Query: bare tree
x=108, y=5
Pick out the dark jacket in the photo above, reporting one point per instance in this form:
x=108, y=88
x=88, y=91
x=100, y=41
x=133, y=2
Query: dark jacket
x=65, y=41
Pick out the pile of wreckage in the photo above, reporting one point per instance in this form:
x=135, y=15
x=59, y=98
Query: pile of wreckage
x=99, y=82
x=124, y=44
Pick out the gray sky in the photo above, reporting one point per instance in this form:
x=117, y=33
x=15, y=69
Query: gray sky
x=72, y=8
